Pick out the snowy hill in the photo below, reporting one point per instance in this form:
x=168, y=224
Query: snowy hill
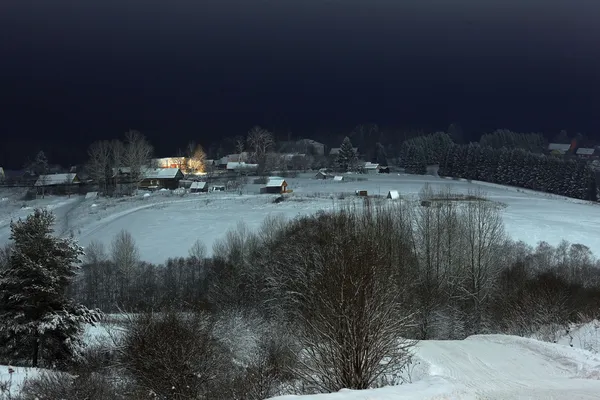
x=166, y=225
x=490, y=367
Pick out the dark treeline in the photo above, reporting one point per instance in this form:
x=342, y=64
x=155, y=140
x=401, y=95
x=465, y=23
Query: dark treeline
x=502, y=158
x=315, y=304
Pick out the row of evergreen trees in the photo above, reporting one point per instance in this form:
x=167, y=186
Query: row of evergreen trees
x=506, y=166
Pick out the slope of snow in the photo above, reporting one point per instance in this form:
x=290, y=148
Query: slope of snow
x=166, y=225
x=491, y=367
x=11, y=383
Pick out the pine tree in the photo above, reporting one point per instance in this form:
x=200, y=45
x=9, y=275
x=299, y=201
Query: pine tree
x=37, y=318
x=347, y=157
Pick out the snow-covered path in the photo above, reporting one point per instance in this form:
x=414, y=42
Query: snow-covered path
x=492, y=367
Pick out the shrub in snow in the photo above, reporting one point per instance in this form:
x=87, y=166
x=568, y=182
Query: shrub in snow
x=174, y=355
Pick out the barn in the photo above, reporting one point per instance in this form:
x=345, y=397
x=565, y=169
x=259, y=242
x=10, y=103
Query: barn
x=57, y=183
x=198, y=187
x=275, y=185
x=321, y=175
x=161, y=178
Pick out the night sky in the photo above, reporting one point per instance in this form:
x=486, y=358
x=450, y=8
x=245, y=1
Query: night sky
x=72, y=72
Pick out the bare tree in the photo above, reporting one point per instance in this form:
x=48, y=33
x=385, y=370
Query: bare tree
x=198, y=250
x=240, y=145
x=125, y=257
x=137, y=156
x=347, y=297
x=483, y=238
x=100, y=164
x=260, y=141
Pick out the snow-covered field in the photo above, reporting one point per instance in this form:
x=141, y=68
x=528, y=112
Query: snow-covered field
x=480, y=367
x=166, y=225
x=490, y=367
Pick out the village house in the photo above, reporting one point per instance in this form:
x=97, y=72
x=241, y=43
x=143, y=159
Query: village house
x=161, y=178
x=241, y=167
x=198, y=187
x=275, y=185
x=559, y=148
x=57, y=183
x=310, y=146
x=321, y=175
x=371, y=168
x=586, y=153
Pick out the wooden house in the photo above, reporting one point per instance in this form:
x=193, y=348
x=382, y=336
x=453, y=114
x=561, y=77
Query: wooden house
x=559, y=148
x=361, y=193
x=198, y=187
x=371, y=168
x=275, y=185
x=161, y=178
x=57, y=183
x=586, y=153
x=321, y=175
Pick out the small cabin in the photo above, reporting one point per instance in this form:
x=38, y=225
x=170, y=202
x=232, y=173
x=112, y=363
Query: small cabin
x=218, y=188
x=198, y=187
x=277, y=186
x=362, y=193
x=321, y=175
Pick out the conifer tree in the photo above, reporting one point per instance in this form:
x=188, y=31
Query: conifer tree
x=37, y=318
x=347, y=157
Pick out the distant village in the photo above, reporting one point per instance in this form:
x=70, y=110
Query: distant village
x=195, y=173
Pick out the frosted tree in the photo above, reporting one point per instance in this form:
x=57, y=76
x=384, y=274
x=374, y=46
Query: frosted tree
x=37, y=317
x=346, y=158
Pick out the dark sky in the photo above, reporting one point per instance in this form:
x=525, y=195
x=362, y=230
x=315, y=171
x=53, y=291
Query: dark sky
x=72, y=72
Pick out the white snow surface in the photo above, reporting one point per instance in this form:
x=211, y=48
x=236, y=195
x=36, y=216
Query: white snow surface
x=166, y=225
x=490, y=367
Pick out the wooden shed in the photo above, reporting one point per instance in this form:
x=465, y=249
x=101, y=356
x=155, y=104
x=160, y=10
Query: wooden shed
x=198, y=187
x=393, y=195
x=321, y=175
x=277, y=185
x=362, y=193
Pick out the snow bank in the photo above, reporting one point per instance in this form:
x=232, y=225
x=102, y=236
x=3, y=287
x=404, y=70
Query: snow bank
x=491, y=367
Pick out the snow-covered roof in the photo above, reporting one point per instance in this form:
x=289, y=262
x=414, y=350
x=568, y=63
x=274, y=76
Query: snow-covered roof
x=585, y=151
x=276, y=182
x=55, y=179
x=338, y=178
x=198, y=185
x=370, y=165
x=393, y=194
x=161, y=173
x=559, y=146
x=241, y=165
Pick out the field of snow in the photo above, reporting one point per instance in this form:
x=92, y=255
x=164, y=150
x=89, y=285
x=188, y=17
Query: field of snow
x=166, y=225
x=490, y=367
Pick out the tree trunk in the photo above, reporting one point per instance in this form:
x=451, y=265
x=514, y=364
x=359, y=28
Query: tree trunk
x=36, y=351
